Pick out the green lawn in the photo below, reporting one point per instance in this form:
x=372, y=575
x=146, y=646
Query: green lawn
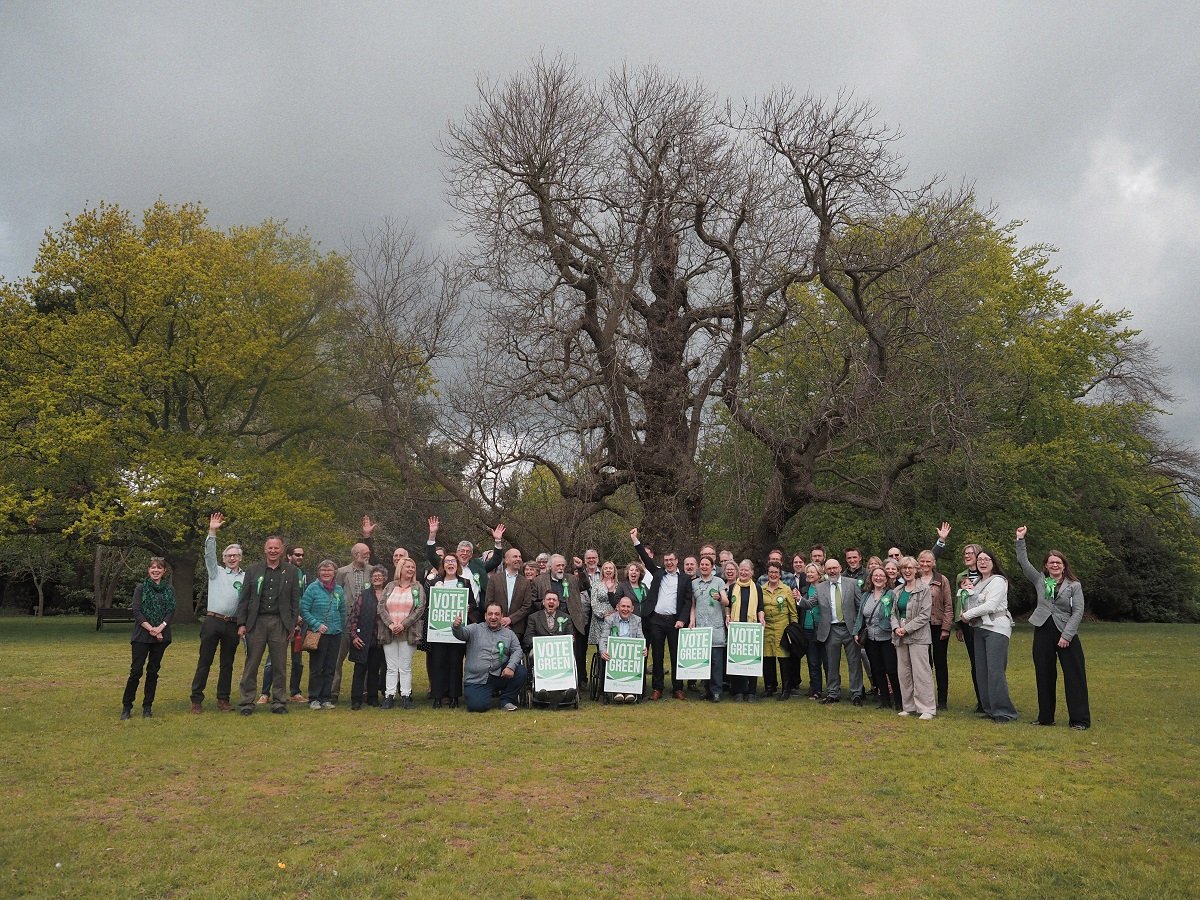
x=665, y=799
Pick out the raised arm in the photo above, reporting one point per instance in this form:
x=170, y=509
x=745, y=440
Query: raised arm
x=1034, y=576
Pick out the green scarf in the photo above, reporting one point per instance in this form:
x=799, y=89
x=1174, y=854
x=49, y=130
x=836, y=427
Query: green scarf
x=158, y=601
x=902, y=603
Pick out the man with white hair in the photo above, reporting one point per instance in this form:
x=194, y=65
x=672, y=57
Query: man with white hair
x=219, y=628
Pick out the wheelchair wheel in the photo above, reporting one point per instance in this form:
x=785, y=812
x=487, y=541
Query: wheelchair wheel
x=596, y=677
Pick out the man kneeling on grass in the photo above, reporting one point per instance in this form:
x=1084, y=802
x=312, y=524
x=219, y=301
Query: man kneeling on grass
x=493, y=661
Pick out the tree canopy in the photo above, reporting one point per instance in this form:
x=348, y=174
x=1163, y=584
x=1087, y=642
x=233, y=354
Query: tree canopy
x=157, y=370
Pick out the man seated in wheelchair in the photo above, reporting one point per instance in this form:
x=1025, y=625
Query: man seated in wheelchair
x=548, y=622
x=622, y=623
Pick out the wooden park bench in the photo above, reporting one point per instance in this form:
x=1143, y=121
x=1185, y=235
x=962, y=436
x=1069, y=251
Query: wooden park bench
x=112, y=614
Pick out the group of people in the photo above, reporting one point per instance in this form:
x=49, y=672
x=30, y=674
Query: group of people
x=890, y=617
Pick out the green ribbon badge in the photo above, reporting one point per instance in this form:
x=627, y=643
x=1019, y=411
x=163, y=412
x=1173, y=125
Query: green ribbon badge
x=562, y=620
x=500, y=649
x=1051, y=588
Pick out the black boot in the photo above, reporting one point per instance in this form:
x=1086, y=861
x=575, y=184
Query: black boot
x=147, y=713
x=126, y=713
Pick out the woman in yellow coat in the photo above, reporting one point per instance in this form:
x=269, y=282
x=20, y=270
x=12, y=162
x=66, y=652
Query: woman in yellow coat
x=779, y=611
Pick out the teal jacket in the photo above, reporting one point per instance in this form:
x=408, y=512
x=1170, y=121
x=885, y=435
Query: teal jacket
x=320, y=607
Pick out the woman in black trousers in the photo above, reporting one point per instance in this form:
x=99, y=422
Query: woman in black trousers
x=966, y=632
x=153, y=608
x=1055, y=638
x=446, y=660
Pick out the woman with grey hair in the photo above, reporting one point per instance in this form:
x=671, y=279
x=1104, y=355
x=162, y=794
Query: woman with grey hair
x=323, y=608
x=365, y=650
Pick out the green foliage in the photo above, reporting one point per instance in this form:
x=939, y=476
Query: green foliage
x=161, y=369
x=1047, y=445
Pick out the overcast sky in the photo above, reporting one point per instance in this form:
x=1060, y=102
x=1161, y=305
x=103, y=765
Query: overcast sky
x=1080, y=119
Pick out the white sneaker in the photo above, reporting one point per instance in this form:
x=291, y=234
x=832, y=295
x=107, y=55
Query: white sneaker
x=328, y=705
x=902, y=712
x=315, y=704
x=509, y=707
x=925, y=717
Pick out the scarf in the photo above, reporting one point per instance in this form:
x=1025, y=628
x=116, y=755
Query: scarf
x=158, y=601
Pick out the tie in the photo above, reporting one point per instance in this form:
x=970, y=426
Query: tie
x=837, y=601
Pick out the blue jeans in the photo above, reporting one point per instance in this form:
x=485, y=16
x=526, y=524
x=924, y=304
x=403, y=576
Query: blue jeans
x=479, y=696
x=717, y=675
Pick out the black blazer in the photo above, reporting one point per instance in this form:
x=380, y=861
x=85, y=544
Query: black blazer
x=289, y=595
x=683, y=603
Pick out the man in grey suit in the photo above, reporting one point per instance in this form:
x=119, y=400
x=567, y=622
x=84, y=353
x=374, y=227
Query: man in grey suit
x=838, y=599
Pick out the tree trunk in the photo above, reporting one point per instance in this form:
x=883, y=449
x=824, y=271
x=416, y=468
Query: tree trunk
x=40, y=587
x=183, y=576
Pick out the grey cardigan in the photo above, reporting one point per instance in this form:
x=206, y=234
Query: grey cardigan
x=1065, y=607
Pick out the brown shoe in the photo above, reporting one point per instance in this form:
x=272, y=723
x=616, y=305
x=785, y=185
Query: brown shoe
x=656, y=695
x=679, y=695
x=197, y=709
x=224, y=706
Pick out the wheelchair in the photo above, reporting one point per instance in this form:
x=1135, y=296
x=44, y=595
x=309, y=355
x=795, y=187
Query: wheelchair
x=596, y=681
x=528, y=698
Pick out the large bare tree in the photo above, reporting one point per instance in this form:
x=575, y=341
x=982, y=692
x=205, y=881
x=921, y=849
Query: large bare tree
x=612, y=223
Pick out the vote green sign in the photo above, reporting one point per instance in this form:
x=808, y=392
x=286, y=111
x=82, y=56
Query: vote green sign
x=554, y=663
x=744, y=649
x=694, y=657
x=445, y=605
x=626, y=665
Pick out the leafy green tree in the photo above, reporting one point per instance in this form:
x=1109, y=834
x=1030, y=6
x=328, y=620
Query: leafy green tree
x=157, y=370
x=1054, y=405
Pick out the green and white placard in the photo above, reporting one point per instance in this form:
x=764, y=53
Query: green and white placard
x=694, y=657
x=626, y=665
x=554, y=663
x=744, y=649
x=445, y=605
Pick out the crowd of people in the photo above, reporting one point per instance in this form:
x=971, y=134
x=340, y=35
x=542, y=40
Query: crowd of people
x=891, y=617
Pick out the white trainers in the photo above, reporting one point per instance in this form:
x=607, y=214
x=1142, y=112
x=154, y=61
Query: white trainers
x=509, y=707
x=316, y=704
x=328, y=705
x=903, y=712
x=925, y=717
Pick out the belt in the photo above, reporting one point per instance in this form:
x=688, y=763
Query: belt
x=222, y=618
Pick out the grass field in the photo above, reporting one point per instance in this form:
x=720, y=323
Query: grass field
x=665, y=799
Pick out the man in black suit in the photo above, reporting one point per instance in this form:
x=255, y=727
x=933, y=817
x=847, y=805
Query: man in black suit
x=267, y=608
x=668, y=607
